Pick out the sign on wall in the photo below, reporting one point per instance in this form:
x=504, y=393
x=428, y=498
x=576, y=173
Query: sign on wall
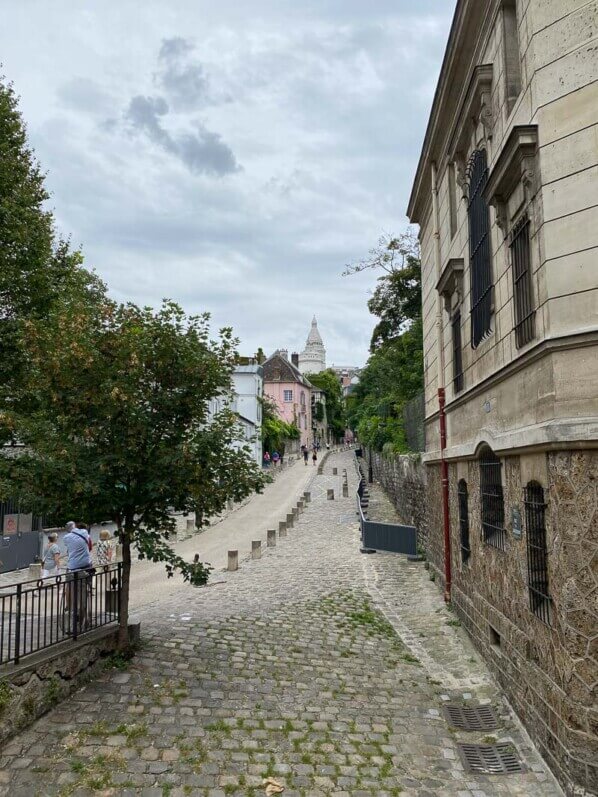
x=17, y=523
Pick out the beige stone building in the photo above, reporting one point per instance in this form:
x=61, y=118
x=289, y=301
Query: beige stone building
x=506, y=196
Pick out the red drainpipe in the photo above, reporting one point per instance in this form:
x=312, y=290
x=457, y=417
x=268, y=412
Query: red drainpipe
x=445, y=499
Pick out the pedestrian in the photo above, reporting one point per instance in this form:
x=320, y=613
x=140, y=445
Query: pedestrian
x=77, y=543
x=275, y=458
x=51, y=562
x=305, y=454
x=104, y=550
x=266, y=459
x=314, y=456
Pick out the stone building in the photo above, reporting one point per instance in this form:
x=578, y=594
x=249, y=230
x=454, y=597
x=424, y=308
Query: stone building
x=290, y=391
x=506, y=196
x=312, y=359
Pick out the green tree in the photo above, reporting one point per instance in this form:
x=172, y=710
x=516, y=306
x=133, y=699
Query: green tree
x=37, y=268
x=121, y=428
x=328, y=382
x=276, y=432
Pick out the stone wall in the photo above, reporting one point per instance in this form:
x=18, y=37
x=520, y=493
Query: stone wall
x=30, y=689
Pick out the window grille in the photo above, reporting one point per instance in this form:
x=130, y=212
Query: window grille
x=464, y=520
x=522, y=282
x=492, y=500
x=537, y=554
x=457, y=356
x=479, y=249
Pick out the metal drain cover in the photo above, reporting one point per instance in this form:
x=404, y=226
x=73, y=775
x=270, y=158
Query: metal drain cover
x=490, y=759
x=471, y=718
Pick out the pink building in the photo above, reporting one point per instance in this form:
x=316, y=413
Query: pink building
x=290, y=390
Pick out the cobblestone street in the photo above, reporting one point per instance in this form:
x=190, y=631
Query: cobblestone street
x=315, y=665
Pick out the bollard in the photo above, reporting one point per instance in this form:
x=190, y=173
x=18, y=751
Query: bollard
x=233, y=561
x=256, y=549
x=335, y=471
x=330, y=495
x=290, y=521
x=271, y=538
x=282, y=529
x=295, y=513
x=300, y=506
x=307, y=497
x=35, y=573
x=190, y=527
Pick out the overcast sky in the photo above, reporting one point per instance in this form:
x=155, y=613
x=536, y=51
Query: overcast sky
x=232, y=156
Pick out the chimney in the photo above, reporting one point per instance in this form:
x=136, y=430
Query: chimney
x=284, y=354
x=295, y=359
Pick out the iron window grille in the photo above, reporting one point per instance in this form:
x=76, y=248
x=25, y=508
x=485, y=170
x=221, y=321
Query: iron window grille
x=522, y=282
x=479, y=248
x=464, y=520
x=457, y=355
x=537, y=554
x=492, y=500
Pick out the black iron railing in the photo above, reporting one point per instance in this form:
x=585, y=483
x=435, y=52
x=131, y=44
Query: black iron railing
x=522, y=282
x=479, y=249
x=464, y=520
x=537, y=553
x=492, y=500
x=34, y=615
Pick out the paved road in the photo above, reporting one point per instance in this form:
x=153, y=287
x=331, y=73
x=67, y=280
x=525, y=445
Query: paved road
x=320, y=667
x=235, y=532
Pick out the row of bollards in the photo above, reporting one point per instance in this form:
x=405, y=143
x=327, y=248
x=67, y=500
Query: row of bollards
x=283, y=527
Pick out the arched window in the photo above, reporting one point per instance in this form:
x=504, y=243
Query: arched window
x=464, y=520
x=480, y=262
x=537, y=554
x=492, y=500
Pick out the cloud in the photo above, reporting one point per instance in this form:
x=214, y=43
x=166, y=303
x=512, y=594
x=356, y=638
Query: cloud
x=183, y=80
x=202, y=151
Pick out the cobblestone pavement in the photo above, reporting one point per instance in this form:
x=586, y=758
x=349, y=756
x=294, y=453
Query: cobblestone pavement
x=290, y=668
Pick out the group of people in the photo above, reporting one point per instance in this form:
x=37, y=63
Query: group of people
x=81, y=553
x=272, y=459
x=314, y=453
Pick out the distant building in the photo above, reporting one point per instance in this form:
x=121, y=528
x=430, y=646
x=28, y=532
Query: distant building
x=290, y=390
x=506, y=196
x=312, y=359
x=248, y=382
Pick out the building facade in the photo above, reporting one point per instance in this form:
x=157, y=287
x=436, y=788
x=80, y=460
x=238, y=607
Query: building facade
x=291, y=392
x=248, y=386
x=506, y=197
x=312, y=360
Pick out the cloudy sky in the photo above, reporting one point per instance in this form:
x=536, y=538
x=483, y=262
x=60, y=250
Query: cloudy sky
x=231, y=155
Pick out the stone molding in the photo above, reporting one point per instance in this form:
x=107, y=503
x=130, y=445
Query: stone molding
x=451, y=282
x=517, y=163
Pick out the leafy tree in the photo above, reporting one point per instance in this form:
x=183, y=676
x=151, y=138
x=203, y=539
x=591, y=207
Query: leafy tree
x=276, y=432
x=396, y=301
x=37, y=269
x=328, y=382
x=121, y=428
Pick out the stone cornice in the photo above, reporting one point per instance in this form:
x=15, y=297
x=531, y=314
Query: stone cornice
x=451, y=281
x=467, y=37
x=516, y=163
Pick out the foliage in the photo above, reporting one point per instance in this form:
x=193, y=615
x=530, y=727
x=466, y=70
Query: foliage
x=394, y=372
x=121, y=428
x=319, y=411
x=275, y=431
x=328, y=382
x=37, y=269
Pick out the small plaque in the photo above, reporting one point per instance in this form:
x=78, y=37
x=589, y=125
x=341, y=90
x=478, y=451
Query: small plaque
x=516, y=521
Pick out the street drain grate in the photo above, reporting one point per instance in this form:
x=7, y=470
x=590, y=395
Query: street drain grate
x=471, y=718
x=490, y=759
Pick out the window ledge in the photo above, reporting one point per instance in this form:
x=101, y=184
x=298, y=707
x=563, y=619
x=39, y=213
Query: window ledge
x=451, y=282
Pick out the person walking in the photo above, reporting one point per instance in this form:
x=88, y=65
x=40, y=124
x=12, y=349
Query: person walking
x=266, y=459
x=305, y=453
x=314, y=456
x=51, y=561
x=275, y=458
x=78, y=548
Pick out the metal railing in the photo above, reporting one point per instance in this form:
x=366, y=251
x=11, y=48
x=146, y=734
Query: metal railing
x=34, y=615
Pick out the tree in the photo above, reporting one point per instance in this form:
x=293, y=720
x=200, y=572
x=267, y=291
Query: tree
x=37, y=269
x=121, y=428
x=328, y=382
x=275, y=431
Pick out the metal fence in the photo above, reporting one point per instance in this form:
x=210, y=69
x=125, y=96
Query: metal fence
x=414, y=413
x=34, y=615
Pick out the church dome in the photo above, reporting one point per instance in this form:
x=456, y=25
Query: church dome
x=312, y=359
x=314, y=333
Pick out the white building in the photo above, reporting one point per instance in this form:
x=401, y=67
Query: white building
x=312, y=359
x=248, y=385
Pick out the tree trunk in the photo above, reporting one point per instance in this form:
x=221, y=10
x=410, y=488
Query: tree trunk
x=123, y=631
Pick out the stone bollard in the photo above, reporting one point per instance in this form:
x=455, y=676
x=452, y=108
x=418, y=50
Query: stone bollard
x=233, y=561
x=256, y=549
x=230, y=504
x=282, y=528
x=307, y=497
x=35, y=571
x=330, y=495
x=290, y=521
x=300, y=506
x=190, y=526
x=271, y=533
x=295, y=513
x=335, y=471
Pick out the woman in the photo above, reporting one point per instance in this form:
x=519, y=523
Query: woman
x=314, y=456
x=104, y=549
x=51, y=557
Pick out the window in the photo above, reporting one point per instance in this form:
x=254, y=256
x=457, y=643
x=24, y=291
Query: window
x=480, y=263
x=522, y=283
x=288, y=395
x=457, y=356
x=302, y=399
x=464, y=520
x=452, y=192
x=492, y=500
x=537, y=555
x=512, y=70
